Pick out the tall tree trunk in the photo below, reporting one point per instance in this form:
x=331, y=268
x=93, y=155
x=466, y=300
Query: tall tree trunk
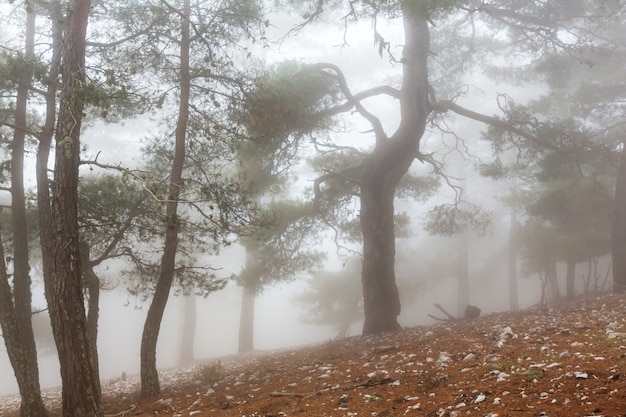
x=81, y=388
x=92, y=282
x=32, y=403
x=570, y=280
x=513, y=293
x=44, y=210
x=618, y=233
x=27, y=382
x=149, y=374
x=188, y=338
x=246, y=320
x=463, y=295
x=250, y=280
x=553, y=292
x=387, y=164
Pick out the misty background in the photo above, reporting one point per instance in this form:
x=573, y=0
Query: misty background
x=280, y=322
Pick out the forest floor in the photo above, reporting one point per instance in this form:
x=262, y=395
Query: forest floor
x=568, y=359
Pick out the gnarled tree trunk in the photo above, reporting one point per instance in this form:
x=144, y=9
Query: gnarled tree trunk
x=385, y=167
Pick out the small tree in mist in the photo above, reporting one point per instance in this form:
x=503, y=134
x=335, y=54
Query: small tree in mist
x=281, y=245
x=333, y=298
x=459, y=220
x=276, y=252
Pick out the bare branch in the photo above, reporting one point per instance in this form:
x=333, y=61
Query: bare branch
x=355, y=102
x=22, y=128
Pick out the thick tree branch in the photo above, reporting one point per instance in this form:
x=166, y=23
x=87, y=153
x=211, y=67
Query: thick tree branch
x=118, y=236
x=358, y=97
x=447, y=105
x=507, y=16
x=119, y=41
x=22, y=128
x=355, y=102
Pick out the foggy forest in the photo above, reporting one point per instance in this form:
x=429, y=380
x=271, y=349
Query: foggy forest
x=182, y=180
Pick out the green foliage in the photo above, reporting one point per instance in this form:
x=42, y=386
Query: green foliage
x=106, y=203
x=333, y=298
x=420, y=188
x=451, y=219
x=282, y=105
x=281, y=246
x=12, y=66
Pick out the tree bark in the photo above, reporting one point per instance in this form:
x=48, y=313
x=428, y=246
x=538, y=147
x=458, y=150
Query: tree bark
x=246, y=320
x=513, y=292
x=570, y=280
x=81, y=387
x=21, y=268
x=463, y=296
x=43, y=151
x=553, y=293
x=92, y=283
x=24, y=363
x=250, y=281
x=384, y=168
x=27, y=382
x=189, y=330
x=149, y=374
x=618, y=234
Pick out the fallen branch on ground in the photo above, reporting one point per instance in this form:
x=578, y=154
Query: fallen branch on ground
x=366, y=383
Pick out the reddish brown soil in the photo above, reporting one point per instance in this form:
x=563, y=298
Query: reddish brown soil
x=564, y=360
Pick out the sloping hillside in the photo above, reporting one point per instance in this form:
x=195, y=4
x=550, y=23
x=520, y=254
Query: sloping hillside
x=565, y=360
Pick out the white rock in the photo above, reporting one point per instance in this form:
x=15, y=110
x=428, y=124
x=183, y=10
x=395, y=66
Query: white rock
x=480, y=398
x=502, y=376
x=581, y=375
